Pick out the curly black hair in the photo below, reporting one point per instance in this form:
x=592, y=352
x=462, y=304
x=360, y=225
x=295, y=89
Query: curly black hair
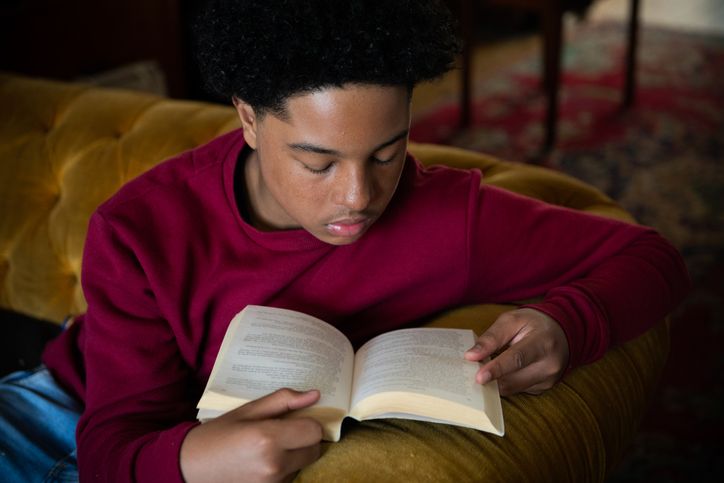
x=264, y=51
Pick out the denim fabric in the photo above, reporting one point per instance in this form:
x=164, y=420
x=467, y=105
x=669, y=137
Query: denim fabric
x=37, y=429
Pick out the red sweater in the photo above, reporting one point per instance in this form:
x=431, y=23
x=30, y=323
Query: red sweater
x=169, y=261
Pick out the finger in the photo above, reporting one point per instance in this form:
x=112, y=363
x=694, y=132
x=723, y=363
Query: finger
x=514, y=358
x=528, y=380
x=498, y=335
x=290, y=433
x=276, y=404
x=296, y=459
x=295, y=433
x=287, y=445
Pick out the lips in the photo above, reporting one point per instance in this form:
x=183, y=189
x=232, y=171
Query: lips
x=348, y=227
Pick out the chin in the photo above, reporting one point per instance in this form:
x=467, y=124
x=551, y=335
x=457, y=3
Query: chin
x=338, y=240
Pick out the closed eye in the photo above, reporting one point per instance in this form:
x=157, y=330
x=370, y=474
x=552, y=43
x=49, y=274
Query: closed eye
x=377, y=160
x=318, y=170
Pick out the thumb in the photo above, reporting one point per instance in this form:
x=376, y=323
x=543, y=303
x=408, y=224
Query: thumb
x=276, y=404
x=496, y=337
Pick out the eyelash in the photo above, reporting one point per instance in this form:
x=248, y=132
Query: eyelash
x=318, y=171
x=381, y=162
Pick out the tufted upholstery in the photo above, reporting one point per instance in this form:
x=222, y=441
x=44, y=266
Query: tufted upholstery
x=64, y=148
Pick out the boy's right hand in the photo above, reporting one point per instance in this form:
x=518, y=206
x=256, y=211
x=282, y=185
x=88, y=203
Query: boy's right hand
x=253, y=443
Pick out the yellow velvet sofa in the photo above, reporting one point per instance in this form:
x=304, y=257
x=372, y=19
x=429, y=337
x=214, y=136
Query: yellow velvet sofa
x=65, y=147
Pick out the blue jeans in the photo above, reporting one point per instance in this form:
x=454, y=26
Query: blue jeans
x=37, y=429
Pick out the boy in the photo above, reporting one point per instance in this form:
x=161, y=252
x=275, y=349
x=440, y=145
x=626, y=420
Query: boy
x=315, y=205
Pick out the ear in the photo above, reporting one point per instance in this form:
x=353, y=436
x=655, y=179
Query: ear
x=248, y=119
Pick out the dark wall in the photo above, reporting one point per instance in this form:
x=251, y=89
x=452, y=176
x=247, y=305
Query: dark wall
x=70, y=38
x=66, y=39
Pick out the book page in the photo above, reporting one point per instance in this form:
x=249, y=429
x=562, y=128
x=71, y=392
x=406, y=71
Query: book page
x=267, y=348
x=426, y=361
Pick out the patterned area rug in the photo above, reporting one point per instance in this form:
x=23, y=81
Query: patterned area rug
x=663, y=160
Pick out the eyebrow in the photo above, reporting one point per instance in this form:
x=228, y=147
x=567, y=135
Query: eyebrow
x=313, y=148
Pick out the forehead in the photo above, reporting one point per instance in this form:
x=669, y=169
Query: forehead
x=352, y=116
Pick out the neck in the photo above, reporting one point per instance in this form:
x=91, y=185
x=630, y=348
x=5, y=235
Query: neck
x=255, y=195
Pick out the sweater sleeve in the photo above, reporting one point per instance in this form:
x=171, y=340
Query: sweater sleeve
x=138, y=408
x=604, y=281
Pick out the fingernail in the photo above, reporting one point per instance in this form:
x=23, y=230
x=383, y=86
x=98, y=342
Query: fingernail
x=476, y=349
x=484, y=377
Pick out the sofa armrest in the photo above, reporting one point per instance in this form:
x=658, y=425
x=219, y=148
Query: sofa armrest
x=575, y=432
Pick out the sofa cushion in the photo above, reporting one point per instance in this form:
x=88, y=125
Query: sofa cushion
x=65, y=148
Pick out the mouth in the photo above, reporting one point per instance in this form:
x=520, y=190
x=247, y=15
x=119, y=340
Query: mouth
x=348, y=227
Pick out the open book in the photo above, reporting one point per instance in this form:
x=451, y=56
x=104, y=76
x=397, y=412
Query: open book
x=408, y=373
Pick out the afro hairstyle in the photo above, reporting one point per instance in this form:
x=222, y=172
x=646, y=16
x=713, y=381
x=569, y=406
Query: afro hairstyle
x=265, y=51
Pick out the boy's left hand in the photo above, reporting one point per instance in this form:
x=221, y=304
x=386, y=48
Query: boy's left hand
x=532, y=348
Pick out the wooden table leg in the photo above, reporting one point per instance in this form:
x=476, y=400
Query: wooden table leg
x=629, y=91
x=552, y=17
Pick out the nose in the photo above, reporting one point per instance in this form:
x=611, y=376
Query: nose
x=353, y=188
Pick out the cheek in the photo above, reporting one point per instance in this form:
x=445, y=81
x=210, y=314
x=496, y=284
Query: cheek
x=301, y=195
x=277, y=172
x=387, y=185
x=282, y=177
x=296, y=193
